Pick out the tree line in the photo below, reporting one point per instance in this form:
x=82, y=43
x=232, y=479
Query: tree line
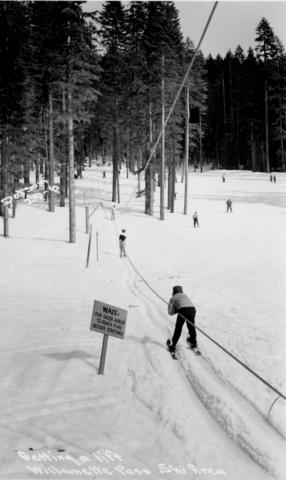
x=48, y=94
x=76, y=85
x=246, y=106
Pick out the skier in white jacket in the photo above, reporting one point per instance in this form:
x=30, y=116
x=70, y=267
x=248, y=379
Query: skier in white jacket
x=179, y=303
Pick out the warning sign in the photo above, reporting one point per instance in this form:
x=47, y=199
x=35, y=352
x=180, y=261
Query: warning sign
x=108, y=319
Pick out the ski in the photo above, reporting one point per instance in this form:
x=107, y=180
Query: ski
x=173, y=354
x=194, y=349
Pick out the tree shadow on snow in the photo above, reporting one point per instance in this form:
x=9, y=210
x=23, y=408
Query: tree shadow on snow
x=39, y=238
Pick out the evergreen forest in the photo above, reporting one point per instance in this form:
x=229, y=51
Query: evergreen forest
x=77, y=86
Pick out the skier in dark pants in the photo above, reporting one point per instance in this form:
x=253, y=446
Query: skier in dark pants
x=179, y=303
x=196, y=219
x=229, y=205
x=122, y=243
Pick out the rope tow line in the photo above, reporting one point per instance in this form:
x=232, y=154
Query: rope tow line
x=132, y=194
x=214, y=341
x=176, y=97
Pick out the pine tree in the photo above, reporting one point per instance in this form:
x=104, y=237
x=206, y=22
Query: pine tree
x=215, y=141
x=13, y=35
x=250, y=105
x=162, y=37
x=112, y=30
x=266, y=51
x=277, y=102
x=65, y=74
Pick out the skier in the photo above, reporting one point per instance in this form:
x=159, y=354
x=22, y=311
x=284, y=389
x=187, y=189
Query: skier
x=223, y=177
x=228, y=205
x=122, y=243
x=179, y=303
x=113, y=209
x=196, y=219
x=270, y=177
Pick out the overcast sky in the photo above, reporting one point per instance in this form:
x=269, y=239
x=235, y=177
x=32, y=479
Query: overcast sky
x=233, y=23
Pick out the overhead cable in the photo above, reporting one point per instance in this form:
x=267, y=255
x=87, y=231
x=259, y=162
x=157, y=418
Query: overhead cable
x=177, y=96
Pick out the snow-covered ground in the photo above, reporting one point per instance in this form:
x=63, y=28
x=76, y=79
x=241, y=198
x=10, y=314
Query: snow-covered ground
x=147, y=416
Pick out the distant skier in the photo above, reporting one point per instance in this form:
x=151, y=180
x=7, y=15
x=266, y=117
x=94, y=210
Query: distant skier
x=122, y=243
x=228, y=205
x=270, y=177
x=179, y=303
x=196, y=219
x=223, y=177
x=274, y=178
x=113, y=211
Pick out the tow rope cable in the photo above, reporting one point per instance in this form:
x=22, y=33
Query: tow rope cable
x=280, y=394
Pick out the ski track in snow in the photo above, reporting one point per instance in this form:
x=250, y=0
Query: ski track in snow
x=215, y=403
x=185, y=408
x=154, y=313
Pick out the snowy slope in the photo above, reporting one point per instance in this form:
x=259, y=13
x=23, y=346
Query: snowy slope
x=147, y=416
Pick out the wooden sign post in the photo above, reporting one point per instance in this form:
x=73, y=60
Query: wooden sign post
x=109, y=320
x=103, y=354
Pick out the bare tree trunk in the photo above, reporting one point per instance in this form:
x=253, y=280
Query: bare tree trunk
x=72, y=224
x=127, y=157
x=37, y=170
x=266, y=129
x=6, y=221
x=224, y=123
x=41, y=165
x=169, y=188
x=4, y=184
x=118, y=188
x=151, y=173
x=148, y=172
x=114, y=163
x=232, y=125
x=115, y=154
x=26, y=171
x=63, y=171
x=148, y=207
x=46, y=174
x=93, y=145
x=187, y=135
x=282, y=145
x=183, y=173
x=14, y=207
x=201, y=143
x=173, y=189
x=253, y=149
x=80, y=167
x=162, y=187
x=103, y=153
x=51, y=153
x=46, y=165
